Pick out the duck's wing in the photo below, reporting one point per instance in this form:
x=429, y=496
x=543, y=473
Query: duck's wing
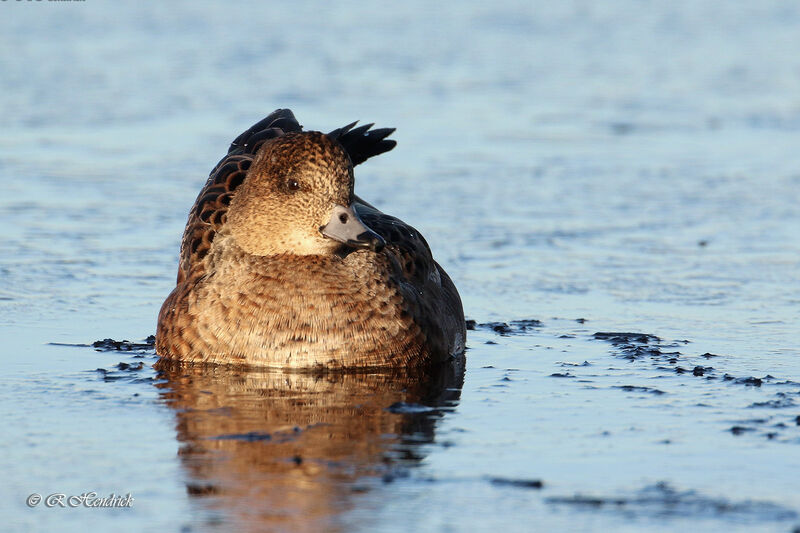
x=406, y=243
x=277, y=123
x=210, y=209
x=433, y=298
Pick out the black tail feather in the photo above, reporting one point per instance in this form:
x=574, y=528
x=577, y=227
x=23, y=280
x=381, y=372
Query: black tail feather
x=361, y=143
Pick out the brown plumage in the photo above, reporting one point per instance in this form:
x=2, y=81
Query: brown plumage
x=283, y=266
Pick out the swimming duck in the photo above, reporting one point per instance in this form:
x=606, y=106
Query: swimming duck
x=282, y=265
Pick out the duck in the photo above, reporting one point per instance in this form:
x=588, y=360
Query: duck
x=283, y=266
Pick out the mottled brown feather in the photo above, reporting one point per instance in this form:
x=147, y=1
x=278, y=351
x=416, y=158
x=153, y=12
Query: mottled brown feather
x=434, y=293
x=207, y=216
x=354, y=308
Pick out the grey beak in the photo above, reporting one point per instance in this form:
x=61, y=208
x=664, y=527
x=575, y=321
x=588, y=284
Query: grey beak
x=346, y=227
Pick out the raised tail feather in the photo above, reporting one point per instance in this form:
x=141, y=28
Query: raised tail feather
x=361, y=143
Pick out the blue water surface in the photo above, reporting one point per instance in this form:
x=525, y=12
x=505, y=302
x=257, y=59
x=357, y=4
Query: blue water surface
x=621, y=166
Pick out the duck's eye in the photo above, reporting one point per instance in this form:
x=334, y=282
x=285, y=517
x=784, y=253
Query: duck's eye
x=293, y=185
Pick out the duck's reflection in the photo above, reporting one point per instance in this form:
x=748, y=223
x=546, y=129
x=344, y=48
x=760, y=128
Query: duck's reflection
x=292, y=450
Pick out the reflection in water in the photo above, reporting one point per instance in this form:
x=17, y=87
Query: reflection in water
x=287, y=450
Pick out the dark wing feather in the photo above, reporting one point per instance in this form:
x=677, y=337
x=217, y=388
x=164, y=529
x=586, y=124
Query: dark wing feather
x=274, y=125
x=406, y=243
x=210, y=209
x=209, y=213
x=432, y=298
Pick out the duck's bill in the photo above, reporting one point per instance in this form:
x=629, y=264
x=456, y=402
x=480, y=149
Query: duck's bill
x=346, y=227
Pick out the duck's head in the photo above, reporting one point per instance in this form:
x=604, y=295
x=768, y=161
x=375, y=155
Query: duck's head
x=296, y=199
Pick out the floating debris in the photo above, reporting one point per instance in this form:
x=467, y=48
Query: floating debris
x=520, y=483
x=663, y=499
x=111, y=345
x=635, y=388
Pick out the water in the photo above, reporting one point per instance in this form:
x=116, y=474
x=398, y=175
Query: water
x=630, y=164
